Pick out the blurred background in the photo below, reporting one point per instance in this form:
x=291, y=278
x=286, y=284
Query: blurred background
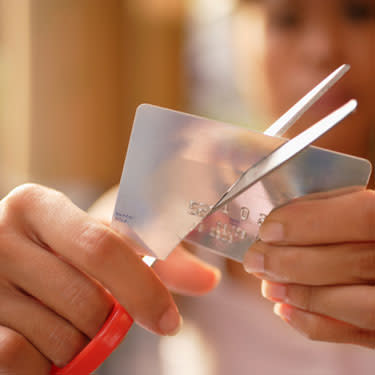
x=72, y=73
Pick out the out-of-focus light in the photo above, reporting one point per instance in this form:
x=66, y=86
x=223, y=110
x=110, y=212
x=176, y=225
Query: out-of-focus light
x=187, y=353
x=208, y=10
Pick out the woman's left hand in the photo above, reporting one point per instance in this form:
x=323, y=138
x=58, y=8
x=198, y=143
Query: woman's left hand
x=317, y=260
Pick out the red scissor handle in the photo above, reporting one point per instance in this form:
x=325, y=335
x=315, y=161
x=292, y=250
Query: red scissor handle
x=101, y=346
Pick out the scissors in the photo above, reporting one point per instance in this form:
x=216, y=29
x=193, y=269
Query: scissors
x=167, y=168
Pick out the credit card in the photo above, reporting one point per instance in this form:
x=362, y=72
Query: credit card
x=179, y=165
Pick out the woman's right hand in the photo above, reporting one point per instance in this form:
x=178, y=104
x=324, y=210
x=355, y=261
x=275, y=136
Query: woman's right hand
x=56, y=265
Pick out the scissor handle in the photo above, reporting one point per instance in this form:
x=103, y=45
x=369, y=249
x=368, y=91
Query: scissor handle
x=101, y=346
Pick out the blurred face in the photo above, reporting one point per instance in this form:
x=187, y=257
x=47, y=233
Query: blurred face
x=307, y=39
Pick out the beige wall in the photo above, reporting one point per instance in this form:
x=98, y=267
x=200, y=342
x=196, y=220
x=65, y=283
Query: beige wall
x=74, y=72
x=15, y=61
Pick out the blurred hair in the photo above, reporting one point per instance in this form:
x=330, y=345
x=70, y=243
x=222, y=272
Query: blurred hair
x=248, y=2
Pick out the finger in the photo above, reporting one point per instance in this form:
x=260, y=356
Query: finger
x=314, y=265
x=345, y=218
x=184, y=273
x=330, y=193
x=18, y=356
x=350, y=304
x=99, y=251
x=320, y=328
x=81, y=300
x=54, y=337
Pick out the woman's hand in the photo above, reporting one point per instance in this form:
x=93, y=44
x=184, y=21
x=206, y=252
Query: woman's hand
x=56, y=265
x=317, y=260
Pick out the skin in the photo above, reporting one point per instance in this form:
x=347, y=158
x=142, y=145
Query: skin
x=305, y=41
x=58, y=265
x=316, y=255
x=47, y=241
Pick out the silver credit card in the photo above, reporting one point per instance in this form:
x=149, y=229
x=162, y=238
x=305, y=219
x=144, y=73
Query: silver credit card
x=179, y=165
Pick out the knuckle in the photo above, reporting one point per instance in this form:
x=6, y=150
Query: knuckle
x=363, y=336
x=306, y=297
x=65, y=342
x=368, y=316
x=364, y=265
x=313, y=331
x=368, y=205
x=6, y=233
x=303, y=297
x=21, y=201
x=276, y=260
x=91, y=304
x=97, y=243
x=287, y=264
x=98, y=308
x=22, y=195
x=12, y=348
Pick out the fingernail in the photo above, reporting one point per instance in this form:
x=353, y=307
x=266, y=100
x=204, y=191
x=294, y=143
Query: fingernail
x=283, y=311
x=271, y=232
x=217, y=274
x=170, y=322
x=272, y=291
x=254, y=262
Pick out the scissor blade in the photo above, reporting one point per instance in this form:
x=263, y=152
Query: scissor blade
x=281, y=125
x=284, y=153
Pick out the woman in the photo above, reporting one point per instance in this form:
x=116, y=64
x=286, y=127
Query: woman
x=52, y=252
x=327, y=254
x=320, y=273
